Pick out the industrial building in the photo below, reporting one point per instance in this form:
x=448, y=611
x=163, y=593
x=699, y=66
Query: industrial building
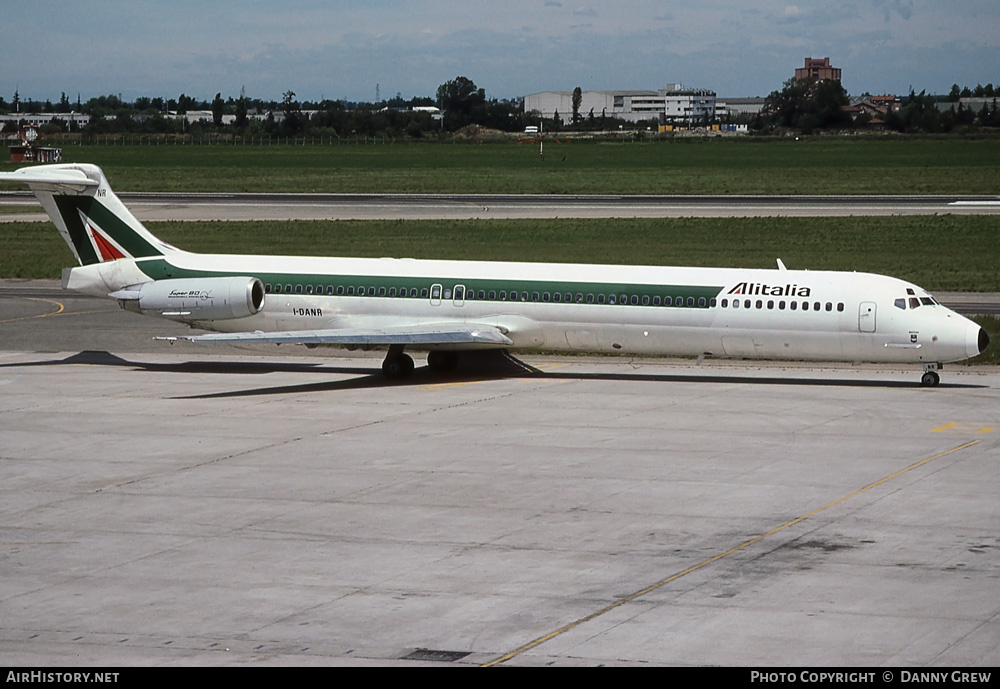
x=671, y=105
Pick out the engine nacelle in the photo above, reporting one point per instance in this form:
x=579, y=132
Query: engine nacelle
x=195, y=299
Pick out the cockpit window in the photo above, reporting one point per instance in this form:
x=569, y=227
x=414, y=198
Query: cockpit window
x=926, y=301
x=914, y=302
x=900, y=304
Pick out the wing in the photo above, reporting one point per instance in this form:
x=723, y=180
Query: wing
x=463, y=335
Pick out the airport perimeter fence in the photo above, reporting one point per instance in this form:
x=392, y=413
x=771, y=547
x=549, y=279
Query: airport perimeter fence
x=174, y=140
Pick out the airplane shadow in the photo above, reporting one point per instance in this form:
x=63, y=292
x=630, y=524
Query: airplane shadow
x=473, y=367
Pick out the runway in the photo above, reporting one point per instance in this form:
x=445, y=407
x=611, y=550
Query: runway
x=179, y=505
x=153, y=207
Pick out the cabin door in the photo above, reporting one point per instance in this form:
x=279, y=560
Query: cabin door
x=866, y=317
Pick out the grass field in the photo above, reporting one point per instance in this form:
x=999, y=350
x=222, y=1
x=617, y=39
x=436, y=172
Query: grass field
x=949, y=252
x=824, y=165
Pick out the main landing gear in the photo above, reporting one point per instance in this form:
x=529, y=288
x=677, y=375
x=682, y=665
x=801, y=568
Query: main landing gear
x=930, y=377
x=398, y=365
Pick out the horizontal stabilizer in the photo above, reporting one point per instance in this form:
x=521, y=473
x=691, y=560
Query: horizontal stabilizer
x=59, y=175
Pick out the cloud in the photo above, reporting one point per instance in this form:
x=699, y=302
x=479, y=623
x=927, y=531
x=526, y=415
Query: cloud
x=904, y=8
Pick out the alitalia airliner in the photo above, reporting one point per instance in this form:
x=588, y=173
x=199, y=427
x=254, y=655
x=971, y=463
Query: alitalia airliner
x=445, y=307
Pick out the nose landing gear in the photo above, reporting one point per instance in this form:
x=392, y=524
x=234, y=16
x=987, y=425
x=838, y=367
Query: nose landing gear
x=930, y=377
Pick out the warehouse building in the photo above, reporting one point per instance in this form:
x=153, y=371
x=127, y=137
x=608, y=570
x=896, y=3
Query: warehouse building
x=671, y=105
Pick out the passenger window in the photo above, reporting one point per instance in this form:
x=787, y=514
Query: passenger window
x=770, y=304
x=816, y=306
x=524, y=296
x=392, y=291
x=557, y=297
x=702, y=303
x=579, y=298
x=600, y=298
x=668, y=301
x=760, y=303
x=611, y=299
x=371, y=291
x=288, y=289
x=435, y=291
x=622, y=299
x=447, y=294
x=423, y=293
x=829, y=306
x=805, y=306
x=793, y=305
x=635, y=299
x=840, y=306
x=590, y=298
x=725, y=303
x=746, y=303
x=381, y=291
x=736, y=303
x=712, y=302
x=781, y=305
x=546, y=296
x=493, y=294
x=267, y=288
x=309, y=289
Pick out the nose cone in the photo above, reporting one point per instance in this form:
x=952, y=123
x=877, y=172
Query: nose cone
x=976, y=340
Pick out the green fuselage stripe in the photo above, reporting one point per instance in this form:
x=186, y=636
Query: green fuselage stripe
x=419, y=287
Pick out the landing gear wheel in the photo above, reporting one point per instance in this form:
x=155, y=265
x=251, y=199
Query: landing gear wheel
x=442, y=361
x=930, y=379
x=397, y=366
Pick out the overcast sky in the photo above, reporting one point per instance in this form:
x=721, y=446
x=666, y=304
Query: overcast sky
x=340, y=50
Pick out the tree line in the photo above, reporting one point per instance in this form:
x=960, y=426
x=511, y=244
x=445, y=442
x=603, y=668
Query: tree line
x=460, y=101
x=809, y=105
x=801, y=105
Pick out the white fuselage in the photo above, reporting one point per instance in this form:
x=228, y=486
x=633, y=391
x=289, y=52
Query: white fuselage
x=723, y=312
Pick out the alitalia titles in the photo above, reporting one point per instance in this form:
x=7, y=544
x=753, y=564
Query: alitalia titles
x=756, y=288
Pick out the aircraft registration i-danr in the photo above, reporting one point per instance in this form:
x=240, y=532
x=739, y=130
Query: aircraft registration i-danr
x=446, y=307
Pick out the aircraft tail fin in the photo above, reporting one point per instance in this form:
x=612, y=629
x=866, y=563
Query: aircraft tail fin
x=94, y=222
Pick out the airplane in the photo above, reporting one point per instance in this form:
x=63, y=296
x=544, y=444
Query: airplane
x=446, y=307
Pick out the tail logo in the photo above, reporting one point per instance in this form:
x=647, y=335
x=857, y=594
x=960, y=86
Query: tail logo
x=105, y=248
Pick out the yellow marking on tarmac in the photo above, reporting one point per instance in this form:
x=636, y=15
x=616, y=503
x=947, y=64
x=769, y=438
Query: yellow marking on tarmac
x=960, y=427
x=444, y=386
x=457, y=384
x=673, y=577
x=60, y=309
